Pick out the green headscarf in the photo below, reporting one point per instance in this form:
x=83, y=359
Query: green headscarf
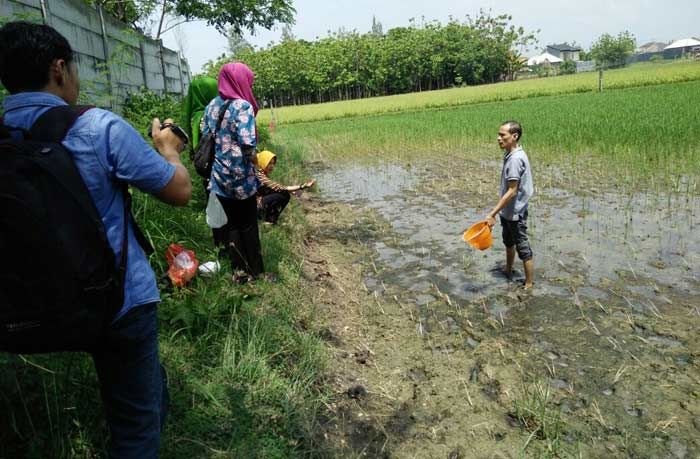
x=201, y=91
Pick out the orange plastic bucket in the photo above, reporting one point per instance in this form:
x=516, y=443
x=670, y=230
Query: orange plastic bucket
x=479, y=236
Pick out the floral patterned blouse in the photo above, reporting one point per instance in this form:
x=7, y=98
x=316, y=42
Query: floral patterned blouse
x=232, y=175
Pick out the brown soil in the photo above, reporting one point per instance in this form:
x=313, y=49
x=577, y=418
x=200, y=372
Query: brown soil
x=450, y=379
x=390, y=384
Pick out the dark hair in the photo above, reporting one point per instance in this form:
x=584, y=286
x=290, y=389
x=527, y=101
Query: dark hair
x=26, y=55
x=514, y=128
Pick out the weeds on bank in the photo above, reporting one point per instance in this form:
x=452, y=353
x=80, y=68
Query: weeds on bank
x=535, y=413
x=244, y=363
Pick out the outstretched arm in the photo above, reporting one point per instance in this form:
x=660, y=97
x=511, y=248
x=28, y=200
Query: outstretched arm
x=266, y=182
x=307, y=184
x=505, y=199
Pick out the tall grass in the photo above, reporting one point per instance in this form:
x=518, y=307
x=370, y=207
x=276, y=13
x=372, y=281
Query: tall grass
x=244, y=363
x=645, y=74
x=641, y=131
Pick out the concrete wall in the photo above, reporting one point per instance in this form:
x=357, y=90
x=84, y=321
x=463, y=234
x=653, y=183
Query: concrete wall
x=585, y=66
x=666, y=54
x=113, y=59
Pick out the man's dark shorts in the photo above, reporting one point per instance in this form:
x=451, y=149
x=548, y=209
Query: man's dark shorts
x=515, y=235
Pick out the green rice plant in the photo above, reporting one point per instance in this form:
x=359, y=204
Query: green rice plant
x=645, y=74
x=627, y=134
x=535, y=413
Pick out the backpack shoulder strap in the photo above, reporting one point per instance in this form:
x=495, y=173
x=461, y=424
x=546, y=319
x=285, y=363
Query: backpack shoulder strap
x=224, y=109
x=54, y=124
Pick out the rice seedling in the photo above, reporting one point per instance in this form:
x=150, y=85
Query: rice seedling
x=536, y=414
x=616, y=137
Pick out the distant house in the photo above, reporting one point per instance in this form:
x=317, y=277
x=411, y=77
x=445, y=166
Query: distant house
x=545, y=59
x=565, y=52
x=684, y=45
x=652, y=47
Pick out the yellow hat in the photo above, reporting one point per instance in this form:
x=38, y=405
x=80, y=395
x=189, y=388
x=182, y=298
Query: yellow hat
x=264, y=158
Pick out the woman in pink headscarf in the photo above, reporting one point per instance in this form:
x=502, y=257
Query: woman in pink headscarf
x=233, y=180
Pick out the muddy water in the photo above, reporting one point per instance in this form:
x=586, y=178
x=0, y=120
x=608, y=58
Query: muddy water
x=611, y=325
x=581, y=242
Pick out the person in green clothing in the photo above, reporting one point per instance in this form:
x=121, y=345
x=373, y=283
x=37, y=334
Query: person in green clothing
x=202, y=90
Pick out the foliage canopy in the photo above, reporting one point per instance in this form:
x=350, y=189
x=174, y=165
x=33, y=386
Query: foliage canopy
x=236, y=15
x=611, y=51
x=348, y=65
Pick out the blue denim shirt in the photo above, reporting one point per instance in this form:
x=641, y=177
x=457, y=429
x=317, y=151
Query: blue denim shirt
x=232, y=175
x=106, y=148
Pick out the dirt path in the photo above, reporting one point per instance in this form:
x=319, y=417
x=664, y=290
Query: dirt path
x=435, y=371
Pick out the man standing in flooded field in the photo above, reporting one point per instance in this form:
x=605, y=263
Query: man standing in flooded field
x=516, y=189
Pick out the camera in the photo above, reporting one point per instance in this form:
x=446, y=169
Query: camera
x=177, y=130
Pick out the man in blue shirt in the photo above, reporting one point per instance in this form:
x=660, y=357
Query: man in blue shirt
x=38, y=69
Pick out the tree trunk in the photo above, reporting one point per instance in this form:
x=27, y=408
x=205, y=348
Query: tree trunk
x=162, y=18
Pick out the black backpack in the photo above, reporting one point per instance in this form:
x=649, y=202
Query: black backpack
x=61, y=285
x=206, y=150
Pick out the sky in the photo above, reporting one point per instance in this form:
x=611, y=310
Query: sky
x=559, y=21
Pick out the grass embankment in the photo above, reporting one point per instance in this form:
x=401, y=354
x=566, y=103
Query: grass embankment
x=242, y=361
x=647, y=74
x=640, y=132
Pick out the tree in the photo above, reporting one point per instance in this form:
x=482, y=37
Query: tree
x=609, y=51
x=516, y=63
x=419, y=57
x=287, y=33
x=237, y=15
x=377, y=28
x=132, y=12
x=237, y=45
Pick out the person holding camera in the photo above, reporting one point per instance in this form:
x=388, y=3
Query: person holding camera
x=233, y=180
x=38, y=68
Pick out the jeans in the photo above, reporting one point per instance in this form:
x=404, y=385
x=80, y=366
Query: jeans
x=133, y=384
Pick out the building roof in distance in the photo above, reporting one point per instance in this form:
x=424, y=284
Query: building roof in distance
x=543, y=58
x=564, y=47
x=684, y=43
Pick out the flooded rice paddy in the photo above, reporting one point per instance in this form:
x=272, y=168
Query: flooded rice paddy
x=607, y=340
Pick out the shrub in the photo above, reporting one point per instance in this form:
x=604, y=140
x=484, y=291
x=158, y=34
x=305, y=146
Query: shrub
x=141, y=107
x=567, y=68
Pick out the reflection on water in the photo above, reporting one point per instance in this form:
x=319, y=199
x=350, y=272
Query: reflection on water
x=587, y=244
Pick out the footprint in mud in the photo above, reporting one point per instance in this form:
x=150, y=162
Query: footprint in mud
x=327, y=335
x=498, y=272
x=492, y=389
x=362, y=357
x=416, y=375
x=357, y=392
